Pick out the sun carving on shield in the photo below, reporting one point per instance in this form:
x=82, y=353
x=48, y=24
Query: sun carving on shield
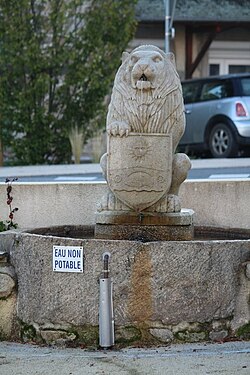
x=140, y=150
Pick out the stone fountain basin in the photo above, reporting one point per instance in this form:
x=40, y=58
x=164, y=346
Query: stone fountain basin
x=165, y=290
x=87, y=232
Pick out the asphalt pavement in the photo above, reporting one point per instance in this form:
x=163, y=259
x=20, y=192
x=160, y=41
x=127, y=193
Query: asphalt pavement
x=229, y=358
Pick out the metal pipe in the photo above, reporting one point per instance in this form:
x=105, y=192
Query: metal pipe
x=169, y=19
x=106, y=316
x=167, y=26
x=173, y=5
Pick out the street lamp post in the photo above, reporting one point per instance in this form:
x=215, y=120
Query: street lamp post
x=167, y=26
x=169, y=16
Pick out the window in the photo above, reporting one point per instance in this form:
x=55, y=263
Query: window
x=245, y=84
x=234, y=69
x=216, y=90
x=214, y=69
x=190, y=91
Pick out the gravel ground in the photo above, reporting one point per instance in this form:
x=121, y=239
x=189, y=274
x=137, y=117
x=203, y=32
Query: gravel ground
x=183, y=359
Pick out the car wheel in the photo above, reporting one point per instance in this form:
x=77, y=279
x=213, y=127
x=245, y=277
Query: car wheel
x=222, y=142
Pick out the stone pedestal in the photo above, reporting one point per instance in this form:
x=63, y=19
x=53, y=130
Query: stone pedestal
x=128, y=225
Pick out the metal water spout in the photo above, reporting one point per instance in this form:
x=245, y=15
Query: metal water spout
x=106, y=315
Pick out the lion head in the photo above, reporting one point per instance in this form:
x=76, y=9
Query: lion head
x=148, y=68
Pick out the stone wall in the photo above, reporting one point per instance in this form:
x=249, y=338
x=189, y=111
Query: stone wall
x=163, y=291
x=216, y=203
x=8, y=290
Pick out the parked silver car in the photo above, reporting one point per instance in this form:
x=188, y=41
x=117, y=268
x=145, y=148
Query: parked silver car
x=217, y=115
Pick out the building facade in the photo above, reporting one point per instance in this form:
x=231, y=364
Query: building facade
x=211, y=36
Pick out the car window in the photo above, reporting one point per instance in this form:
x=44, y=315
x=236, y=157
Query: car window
x=190, y=91
x=213, y=90
x=245, y=84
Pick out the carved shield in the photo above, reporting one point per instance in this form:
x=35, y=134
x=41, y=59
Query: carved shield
x=139, y=168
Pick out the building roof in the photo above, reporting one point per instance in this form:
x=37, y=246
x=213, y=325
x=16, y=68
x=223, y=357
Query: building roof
x=196, y=10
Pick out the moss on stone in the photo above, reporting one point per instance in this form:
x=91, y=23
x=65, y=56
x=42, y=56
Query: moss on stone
x=127, y=334
x=4, y=298
x=187, y=336
x=244, y=331
x=86, y=335
x=28, y=332
x=2, y=336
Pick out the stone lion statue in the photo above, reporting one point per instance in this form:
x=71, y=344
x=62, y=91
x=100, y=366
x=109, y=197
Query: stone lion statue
x=147, y=99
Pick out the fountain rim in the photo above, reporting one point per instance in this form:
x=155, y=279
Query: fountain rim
x=201, y=234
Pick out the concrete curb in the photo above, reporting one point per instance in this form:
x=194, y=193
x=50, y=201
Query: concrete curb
x=46, y=170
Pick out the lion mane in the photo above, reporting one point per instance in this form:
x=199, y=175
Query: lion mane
x=141, y=94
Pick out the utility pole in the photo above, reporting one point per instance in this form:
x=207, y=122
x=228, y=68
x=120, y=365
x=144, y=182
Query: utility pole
x=169, y=17
x=167, y=25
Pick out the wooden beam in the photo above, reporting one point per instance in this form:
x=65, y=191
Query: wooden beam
x=188, y=50
x=201, y=54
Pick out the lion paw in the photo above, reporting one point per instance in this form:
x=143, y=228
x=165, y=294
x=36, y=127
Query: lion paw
x=118, y=128
x=110, y=203
x=174, y=204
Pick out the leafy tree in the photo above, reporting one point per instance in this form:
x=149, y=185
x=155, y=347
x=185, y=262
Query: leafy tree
x=57, y=63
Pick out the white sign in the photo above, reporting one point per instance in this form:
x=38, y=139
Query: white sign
x=68, y=258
